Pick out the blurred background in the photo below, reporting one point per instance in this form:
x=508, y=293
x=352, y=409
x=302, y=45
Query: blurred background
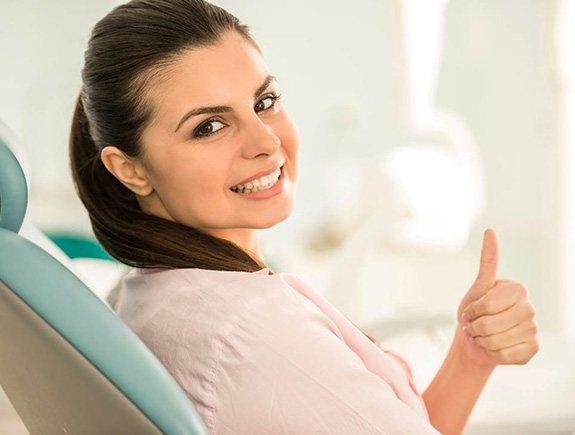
x=423, y=122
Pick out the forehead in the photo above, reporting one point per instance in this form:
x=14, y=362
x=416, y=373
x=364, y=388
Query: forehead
x=213, y=75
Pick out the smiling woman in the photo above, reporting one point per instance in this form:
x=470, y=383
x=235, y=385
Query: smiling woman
x=167, y=123
x=181, y=149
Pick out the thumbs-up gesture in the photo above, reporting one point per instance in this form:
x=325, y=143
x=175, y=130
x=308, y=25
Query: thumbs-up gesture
x=496, y=320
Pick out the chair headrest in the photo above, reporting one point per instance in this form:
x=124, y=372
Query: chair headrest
x=13, y=189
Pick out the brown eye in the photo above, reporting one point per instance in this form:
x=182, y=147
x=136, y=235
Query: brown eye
x=207, y=128
x=261, y=106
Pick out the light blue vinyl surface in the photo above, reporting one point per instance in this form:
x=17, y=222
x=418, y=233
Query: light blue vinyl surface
x=13, y=190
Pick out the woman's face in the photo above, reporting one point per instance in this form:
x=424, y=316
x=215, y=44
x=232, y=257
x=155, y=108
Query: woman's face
x=214, y=125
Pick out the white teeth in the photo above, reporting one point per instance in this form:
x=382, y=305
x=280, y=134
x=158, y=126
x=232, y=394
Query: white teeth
x=259, y=184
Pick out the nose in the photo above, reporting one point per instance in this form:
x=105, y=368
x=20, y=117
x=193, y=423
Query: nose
x=260, y=139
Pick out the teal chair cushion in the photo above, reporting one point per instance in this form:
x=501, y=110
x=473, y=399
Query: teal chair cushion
x=78, y=315
x=13, y=190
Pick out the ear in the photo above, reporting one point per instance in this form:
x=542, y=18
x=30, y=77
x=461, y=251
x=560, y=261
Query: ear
x=128, y=171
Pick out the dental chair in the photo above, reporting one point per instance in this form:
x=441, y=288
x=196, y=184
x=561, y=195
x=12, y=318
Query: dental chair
x=68, y=364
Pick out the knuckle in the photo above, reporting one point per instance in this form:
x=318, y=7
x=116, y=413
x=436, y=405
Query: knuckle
x=522, y=357
x=535, y=346
x=521, y=289
x=531, y=310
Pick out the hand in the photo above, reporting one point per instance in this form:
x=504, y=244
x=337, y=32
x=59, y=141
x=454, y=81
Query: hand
x=496, y=320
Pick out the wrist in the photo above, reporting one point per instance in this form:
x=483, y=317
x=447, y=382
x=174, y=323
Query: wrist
x=453, y=392
x=460, y=353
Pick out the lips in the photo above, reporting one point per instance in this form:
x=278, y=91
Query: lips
x=260, y=174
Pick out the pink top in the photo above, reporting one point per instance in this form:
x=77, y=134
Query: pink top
x=267, y=354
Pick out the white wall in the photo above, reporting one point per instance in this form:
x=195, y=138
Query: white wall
x=565, y=37
x=498, y=72
x=42, y=45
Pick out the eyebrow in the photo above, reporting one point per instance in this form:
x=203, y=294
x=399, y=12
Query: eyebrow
x=223, y=109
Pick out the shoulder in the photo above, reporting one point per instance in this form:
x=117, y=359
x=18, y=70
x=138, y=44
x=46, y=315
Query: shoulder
x=204, y=303
x=207, y=325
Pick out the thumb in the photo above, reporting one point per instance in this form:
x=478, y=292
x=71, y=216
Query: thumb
x=489, y=261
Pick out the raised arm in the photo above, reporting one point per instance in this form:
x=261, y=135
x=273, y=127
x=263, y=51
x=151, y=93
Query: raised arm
x=496, y=325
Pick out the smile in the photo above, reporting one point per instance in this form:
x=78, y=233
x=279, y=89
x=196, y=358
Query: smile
x=262, y=183
x=275, y=187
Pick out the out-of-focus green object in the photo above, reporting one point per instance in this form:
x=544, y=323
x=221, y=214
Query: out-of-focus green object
x=79, y=245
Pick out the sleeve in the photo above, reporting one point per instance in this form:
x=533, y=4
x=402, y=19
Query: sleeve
x=284, y=369
x=403, y=363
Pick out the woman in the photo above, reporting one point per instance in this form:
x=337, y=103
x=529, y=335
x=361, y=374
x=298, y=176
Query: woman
x=181, y=149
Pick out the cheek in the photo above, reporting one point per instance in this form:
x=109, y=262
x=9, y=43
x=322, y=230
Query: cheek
x=189, y=191
x=197, y=203
x=195, y=184
x=289, y=136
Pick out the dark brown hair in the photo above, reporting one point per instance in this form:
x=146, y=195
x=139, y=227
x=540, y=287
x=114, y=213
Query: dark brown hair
x=128, y=48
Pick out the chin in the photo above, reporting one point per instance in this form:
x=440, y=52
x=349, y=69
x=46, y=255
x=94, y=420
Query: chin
x=273, y=220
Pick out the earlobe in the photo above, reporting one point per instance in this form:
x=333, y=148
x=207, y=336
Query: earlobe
x=126, y=170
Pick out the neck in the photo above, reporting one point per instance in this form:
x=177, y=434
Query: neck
x=245, y=238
